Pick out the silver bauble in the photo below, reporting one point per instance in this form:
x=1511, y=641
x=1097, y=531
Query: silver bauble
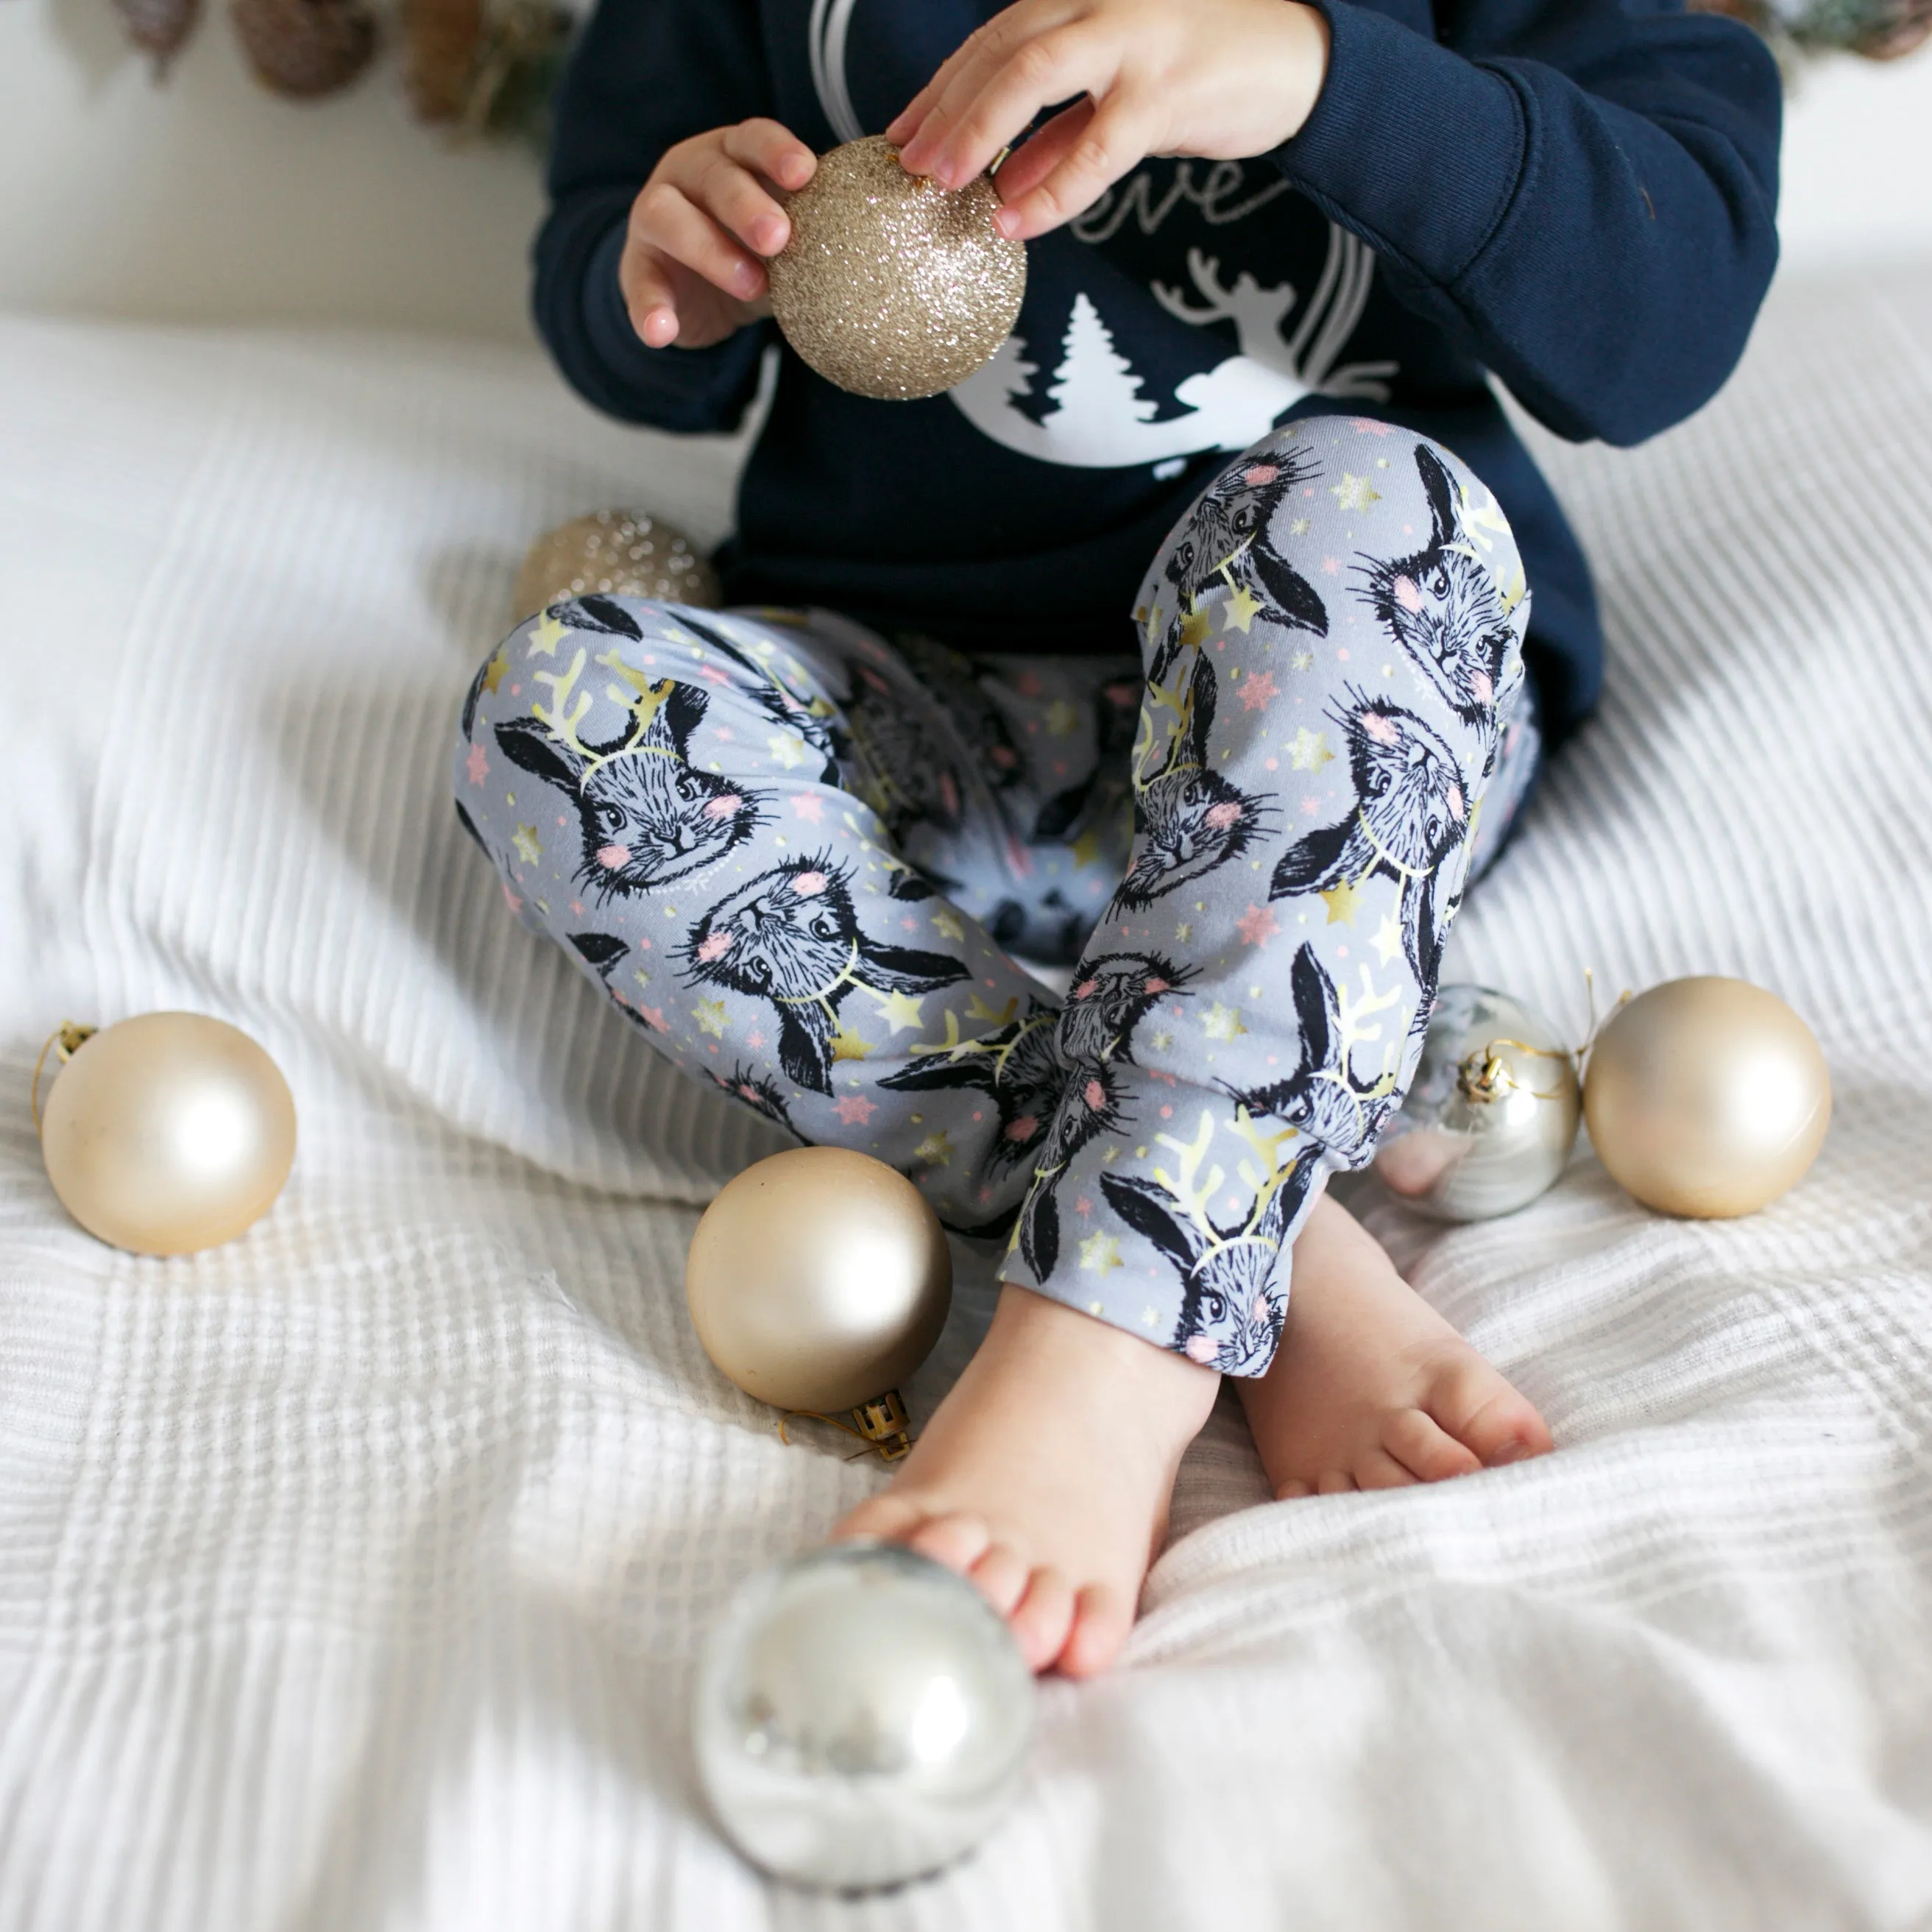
x=863, y=1716
x=1491, y=1115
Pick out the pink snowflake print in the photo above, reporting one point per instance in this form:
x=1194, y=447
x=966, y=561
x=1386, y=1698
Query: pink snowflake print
x=1342, y=656
x=723, y=806
x=576, y=908
x=477, y=765
x=1023, y=1128
x=1311, y=804
x=1331, y=566
x=909, y=924
x=714, y=946
x=512, y=900
x=809, y=885
x=1085, y=1205
x=855, y=1110
x=809, y=804
x=1258, y=693
x=755, y=1038
x=611, y=856
x=653, y=1018
x=1257, y=926
x=1167, y=1113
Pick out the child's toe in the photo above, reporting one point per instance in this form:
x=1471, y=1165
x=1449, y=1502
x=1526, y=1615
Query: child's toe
x=1001, y=1575
x=1101, y=1622
x=1425, y=1449
x=891, y=1517
x=958, y=1540
x=1043, y=1618
x=1377, y=1469
x=1334, y=1483
x=1483, y=1412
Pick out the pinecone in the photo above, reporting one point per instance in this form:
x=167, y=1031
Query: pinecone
x=304, y=48
x=159, y=27
x=440, y=40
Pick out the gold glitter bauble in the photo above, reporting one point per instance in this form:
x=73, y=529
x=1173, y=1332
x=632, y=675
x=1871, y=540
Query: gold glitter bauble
x=618, y=553
x=891, y=286
x=1707, y=1097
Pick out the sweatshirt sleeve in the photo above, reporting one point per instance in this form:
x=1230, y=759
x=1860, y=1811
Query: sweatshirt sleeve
x=1584, y=198
x=645, y=75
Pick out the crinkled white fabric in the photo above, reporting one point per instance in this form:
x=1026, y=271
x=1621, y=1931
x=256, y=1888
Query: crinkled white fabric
x=351, y=1576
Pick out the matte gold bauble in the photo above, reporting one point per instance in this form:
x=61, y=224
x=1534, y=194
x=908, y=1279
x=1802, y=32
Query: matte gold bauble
x=818, y=1279
x=890, y=285
x=613, y=554
x=168, y=1133
x=1707, y=1097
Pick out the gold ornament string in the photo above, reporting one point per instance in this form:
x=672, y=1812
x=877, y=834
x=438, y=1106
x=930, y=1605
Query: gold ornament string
x=1483, y=1074
x=886, y=1427
x=68, y=1039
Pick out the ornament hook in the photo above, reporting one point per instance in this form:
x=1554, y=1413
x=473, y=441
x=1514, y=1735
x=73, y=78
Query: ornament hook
x=64, y=1041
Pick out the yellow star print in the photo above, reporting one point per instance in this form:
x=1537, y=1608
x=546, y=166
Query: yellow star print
x=1241, y=610
x=900, y=1011
x=1086, y=848
x=947, y=926
x=936, y=1150
x=1343, y=902
x=846, y=1045
x=1063, y=719
x=1223, y=1023
x=1388, y=939
x=1196, y=626
x=1098, y=1253
x=493, y=672
x=1299, y=527
x=1355, y=492
x=547, y=635
x=529, y=848
x=787, y=749
x=710, y=1015
x=1309, y=752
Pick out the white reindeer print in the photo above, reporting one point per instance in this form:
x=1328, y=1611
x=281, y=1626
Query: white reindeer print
x=1104, y=422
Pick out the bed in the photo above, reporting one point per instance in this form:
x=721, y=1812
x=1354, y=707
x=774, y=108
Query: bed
x=351, y=1576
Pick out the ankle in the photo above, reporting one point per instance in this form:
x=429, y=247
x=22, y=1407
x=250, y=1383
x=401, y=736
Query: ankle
x=1091, y=1354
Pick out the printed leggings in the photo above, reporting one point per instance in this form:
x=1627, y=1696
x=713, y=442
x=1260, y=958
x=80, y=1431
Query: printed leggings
x=801, y=861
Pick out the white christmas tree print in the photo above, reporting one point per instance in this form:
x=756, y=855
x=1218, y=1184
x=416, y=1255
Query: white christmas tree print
x=1101, y=420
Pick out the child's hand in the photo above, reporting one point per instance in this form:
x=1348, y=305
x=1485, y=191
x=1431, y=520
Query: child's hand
x=691, y=271
x=1220, y=79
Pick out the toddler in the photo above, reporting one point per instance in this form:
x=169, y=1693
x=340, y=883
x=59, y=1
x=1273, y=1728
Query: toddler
x=1188, y=645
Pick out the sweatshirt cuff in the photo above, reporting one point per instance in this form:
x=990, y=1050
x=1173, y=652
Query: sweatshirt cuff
x=1415, y=148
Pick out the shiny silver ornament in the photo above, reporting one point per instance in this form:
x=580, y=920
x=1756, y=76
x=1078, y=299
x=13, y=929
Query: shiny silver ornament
x=1491, y=1116
x=862, y=1717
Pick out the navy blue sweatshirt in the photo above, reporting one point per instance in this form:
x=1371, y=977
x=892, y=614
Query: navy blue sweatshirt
x=1576, y=195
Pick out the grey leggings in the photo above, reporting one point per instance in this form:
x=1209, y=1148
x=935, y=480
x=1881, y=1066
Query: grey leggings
x=802, y=860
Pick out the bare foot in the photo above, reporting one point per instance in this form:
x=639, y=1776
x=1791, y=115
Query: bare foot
x=1371, y=1388
x=1045, y=1476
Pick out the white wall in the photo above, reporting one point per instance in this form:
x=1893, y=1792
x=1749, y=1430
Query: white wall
x=207, y=197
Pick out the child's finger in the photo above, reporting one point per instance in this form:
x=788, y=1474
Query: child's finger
x=663, y=218
x=772, y=150
x=651, y=302
x=966, y=70
x=1118, y=137
x=1030, y=163
x=733, y=196
x=1058, y=66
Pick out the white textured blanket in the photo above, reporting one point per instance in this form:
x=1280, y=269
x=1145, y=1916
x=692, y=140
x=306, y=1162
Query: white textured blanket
x=350, y=1575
